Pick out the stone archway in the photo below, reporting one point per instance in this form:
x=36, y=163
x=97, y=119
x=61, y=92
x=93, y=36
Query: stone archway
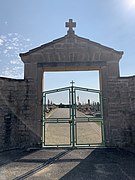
x=70, y=53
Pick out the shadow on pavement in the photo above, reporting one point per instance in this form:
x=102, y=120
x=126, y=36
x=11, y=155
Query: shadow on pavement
x=68, y=164
x=7, y=157
x=104, y=164
x=43, y=164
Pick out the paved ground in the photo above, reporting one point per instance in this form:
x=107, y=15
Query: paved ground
x=59, y=133
x=76, y=164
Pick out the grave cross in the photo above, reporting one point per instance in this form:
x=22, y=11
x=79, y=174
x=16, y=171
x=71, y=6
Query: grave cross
x=72, y=82
x=70, y=24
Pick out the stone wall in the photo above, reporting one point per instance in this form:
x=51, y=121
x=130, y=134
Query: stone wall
x=18, y=122
x=16, y=114
x=121, y=111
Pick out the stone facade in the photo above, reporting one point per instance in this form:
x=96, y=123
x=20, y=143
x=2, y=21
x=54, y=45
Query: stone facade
x=16, y=114
x=21, y=100
x=121, y=112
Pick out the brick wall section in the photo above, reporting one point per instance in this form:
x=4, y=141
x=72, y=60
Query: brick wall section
x=121, y=111
x=16, y=114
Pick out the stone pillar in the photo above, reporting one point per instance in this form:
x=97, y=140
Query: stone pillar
x=103, y=76
x=110, y=71
x=34, y=74
x=40, y=72
x=113, y=69
x=30, y=70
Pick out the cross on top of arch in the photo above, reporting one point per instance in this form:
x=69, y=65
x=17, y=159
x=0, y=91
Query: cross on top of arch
x=70, y=25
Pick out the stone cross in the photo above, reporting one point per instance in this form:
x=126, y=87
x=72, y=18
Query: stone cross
x=72, y=82
x=70, y=25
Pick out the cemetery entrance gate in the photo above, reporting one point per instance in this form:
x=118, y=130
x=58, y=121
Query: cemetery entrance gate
x=72, y=117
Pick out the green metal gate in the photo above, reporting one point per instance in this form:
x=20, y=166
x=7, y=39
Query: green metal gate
x=72, y=117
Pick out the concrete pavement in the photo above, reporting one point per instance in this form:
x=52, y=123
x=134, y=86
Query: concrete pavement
x=76, y=164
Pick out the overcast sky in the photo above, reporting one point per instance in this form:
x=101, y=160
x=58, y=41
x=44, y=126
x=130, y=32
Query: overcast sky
x=27, y=24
